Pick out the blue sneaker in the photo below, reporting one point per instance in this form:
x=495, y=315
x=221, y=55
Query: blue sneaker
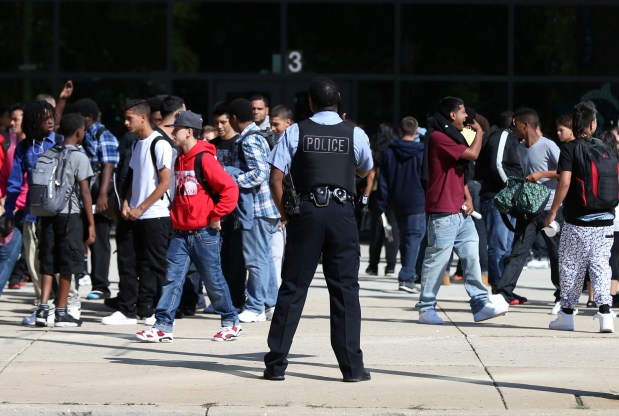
x=96, y=295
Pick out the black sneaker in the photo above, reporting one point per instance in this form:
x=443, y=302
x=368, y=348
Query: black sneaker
x=67, y=320
x=371, y=271
x=41, y=316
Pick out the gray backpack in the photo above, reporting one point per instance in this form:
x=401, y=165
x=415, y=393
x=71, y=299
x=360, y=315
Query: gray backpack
x=48, y=192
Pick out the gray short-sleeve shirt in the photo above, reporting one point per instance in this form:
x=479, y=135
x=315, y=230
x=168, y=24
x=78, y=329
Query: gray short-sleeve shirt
x=78, y=169
x=542, y=156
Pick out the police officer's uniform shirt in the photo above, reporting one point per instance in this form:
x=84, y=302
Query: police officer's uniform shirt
x=285, y=149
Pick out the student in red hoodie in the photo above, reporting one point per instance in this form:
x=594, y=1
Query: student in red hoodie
x=196, y=219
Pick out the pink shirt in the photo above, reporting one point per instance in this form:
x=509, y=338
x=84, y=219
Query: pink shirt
x=5, y=171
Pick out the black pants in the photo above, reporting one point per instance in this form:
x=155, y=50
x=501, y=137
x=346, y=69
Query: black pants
x=232, y=261
x=125, y=255
x=100, y=255
x=331, y=230
x=139, y=294
x=378, y=240
x=523, y=240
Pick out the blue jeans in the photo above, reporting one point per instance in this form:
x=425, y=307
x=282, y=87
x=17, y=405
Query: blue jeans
x=262, y=280
x=500, y=240
x=412, y=229
x=447, y=232
x=9, y=254
x=202, y=248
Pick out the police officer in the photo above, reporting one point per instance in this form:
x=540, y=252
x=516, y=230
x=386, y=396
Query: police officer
x=322, y=155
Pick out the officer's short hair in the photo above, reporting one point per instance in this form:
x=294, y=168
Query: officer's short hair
x=281, y=111
x=449, y=105
x=408, y=125
x=323, y=92
x=242, y=109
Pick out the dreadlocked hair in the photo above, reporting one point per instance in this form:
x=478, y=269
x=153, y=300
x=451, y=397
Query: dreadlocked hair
x=35, y=114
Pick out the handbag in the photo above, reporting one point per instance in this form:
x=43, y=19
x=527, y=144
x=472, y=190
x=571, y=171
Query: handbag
x=521, y=199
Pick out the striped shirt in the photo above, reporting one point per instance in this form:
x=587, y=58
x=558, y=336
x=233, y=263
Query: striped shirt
x=256, y=172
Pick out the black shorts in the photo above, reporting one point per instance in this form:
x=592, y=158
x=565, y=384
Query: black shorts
x=61, y=247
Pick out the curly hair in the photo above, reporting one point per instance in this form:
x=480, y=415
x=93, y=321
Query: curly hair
x=35, y=114
x=380, y=140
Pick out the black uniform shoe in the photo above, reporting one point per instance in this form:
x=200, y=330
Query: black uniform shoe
x=365, y=376
x=267, y=375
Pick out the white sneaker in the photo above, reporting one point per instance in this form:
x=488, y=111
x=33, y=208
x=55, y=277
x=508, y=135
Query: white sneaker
x=150, y=321
x=75, y=312
x=430, y=317
x=564, y=322
x=118, y=318
x=85, y=280
x=268, y=313
x=555, y=309
x=607, y=321
x=249, y=316
x=492, y=309
x=538, y=264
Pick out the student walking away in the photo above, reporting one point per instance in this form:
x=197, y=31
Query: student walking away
x=101, y=147
x=400, y=188
x=538, y=157
x=147, y=205
x=196, y=219
x=448, y=208
x=588, y=188
x=322, y=219
x=61, y=241
x=611, y=141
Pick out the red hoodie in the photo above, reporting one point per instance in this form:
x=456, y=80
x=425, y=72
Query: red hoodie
x=193, y=207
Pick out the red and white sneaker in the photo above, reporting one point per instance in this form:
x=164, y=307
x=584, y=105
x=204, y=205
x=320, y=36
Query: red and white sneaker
x=228, y=333
x=154, y=335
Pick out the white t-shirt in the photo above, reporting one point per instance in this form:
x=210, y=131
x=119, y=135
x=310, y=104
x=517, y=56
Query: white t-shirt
x=146, y=179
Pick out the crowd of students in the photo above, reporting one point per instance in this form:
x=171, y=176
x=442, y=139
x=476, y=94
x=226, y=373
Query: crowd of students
x=194, y=214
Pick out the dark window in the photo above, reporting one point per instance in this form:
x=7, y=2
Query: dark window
x=454, y=39
x=420, y=99
x=112, y=36
x=23, y=90
x=342, y=38
x=551, y=100
x=226, y=37
x=26, y=41
x=112, y=94
x=566, y=40
x=375, y=103
x=195, y=93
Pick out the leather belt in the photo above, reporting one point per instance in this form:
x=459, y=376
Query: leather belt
x=321, y=195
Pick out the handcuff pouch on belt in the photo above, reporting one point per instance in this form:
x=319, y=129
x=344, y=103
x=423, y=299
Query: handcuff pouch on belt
x=321, y=195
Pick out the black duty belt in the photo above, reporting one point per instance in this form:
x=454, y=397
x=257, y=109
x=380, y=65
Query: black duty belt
x=321, y=195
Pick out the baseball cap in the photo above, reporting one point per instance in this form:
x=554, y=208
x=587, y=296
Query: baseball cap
x=187, y=119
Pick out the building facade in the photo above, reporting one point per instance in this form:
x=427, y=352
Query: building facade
x=391, y=58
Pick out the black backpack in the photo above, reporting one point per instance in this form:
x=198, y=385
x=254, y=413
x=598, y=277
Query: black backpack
x=199, y=172
x=595, y=176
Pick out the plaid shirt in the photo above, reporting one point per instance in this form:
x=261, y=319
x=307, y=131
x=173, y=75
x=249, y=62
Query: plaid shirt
x=103, y=150
x=256, y=171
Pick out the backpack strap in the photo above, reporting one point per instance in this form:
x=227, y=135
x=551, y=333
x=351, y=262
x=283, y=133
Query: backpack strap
x=199, y=172
x=153, y=158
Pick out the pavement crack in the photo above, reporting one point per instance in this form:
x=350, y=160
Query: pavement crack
x=21, y=352
x=494, y=383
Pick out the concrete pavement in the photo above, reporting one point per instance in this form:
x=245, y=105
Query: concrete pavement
x=511, y=365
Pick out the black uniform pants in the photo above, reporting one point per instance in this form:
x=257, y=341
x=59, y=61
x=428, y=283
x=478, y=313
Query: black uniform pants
x=139, y=294
x=332, y=231
x=101, y=253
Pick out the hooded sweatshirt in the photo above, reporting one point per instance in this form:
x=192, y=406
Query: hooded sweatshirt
x=193, y=207
x=399, y=183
